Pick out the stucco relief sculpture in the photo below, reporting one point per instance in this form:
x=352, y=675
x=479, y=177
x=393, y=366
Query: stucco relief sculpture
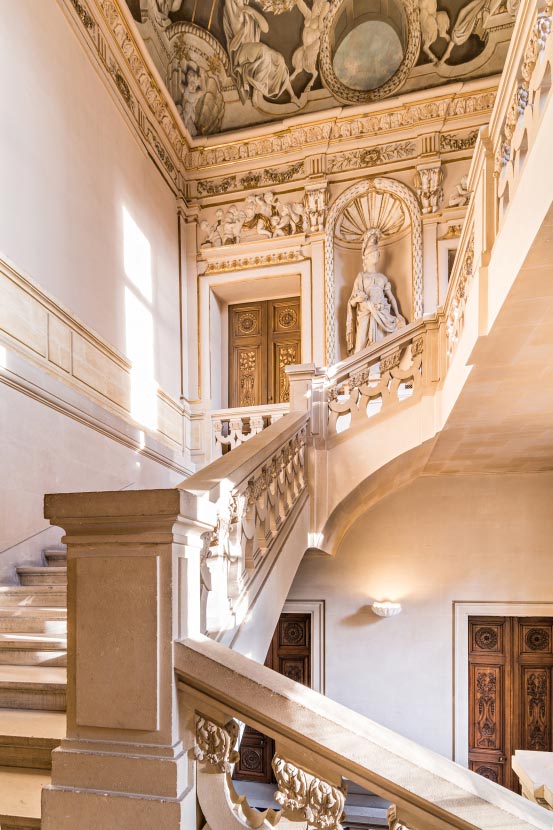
x=262, y=213
x=255, y=66
x=461, y=194
x=372, y=311
x=315, y=203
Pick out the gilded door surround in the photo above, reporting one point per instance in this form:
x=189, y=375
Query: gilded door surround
x=406, y=195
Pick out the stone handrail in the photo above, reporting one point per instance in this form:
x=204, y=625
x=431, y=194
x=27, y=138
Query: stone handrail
x=257, y=489
x=319, y=743
x=232, y=427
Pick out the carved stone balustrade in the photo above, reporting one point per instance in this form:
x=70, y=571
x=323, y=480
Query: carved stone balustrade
x=232, y=427
x=258, y=489
x=318, y=744
x=376, y=379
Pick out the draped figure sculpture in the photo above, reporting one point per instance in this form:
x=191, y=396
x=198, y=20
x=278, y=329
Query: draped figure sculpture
x=255, y=66
x=372, y=308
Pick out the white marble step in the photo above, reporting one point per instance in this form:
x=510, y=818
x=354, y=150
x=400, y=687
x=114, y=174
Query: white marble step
x=36, y=595
x=33, y=687
x=20, y=793
x=43, y=575
x=27, y=737
x=25, y=619
x=32, y=649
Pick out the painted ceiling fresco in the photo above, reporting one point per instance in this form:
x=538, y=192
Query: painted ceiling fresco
x=230, y=64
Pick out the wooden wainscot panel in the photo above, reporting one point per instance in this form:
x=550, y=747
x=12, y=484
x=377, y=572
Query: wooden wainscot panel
x=117, y=659
x=100, y=372
x=22, y=317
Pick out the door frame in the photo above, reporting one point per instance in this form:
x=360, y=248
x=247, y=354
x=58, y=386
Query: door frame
x=461, y=613
x=316, y=610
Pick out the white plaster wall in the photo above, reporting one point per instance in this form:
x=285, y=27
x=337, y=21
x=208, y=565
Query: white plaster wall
x=440, y=539
x=69, y=165
x=44, y=451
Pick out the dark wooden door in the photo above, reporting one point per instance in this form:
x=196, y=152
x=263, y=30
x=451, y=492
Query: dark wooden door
x=290, y=655
x=264, y=338
x=510, y=688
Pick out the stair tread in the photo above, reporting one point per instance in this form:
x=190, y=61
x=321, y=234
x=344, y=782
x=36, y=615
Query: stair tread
x=42, y=611
x=31, y=640
x=32, y=723
x=42, y=569
x=31, y=589
x=20, y=792
x=33, y=675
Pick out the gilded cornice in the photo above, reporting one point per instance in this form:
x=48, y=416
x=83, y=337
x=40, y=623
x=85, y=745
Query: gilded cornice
x=108, y=32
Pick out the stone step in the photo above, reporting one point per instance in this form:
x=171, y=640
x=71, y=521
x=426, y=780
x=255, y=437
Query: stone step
x=20, y=793
x=55, y=556
x=32, y=649
x=30, y=619
x=33, y=687
x=43, y=575
x=27, y=738
x=36, y=595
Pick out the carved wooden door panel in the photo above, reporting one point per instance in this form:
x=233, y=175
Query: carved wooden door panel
x=264, y=338
x=510, y=688
x=290, y=655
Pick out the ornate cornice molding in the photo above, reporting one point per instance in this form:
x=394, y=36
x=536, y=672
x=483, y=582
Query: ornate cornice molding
x=107, y=31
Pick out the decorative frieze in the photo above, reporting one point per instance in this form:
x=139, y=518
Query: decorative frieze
x=371, y=156
x=223, y=266
x=452, y=141
x=264, y=215
x=302, y=136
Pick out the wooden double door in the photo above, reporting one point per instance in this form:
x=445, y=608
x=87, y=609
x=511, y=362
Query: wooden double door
x=264, y=338
x=289, y=654
x=510, y=692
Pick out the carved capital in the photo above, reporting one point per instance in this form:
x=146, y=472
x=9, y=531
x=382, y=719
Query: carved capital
x=393, y=821
x=320, y=803
x=215, y=744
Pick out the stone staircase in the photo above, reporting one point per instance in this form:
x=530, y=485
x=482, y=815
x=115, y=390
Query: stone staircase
x=33, y=654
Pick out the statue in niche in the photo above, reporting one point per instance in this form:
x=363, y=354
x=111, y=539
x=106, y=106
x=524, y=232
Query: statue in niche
x=201, y=105
x=372, y=308
x=305, y=57
x=255, y=66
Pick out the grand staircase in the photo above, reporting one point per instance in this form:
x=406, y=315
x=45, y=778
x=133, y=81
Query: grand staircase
x=33, y=655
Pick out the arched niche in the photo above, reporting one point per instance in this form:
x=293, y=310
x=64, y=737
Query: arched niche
x=353, y=204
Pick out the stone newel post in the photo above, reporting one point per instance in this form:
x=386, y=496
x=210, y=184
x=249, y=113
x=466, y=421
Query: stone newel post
x=133, y=588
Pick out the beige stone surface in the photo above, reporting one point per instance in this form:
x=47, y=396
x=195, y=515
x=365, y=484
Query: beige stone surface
x=20, y=792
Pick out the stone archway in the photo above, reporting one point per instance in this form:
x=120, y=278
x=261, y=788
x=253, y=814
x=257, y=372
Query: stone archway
x=382, y=185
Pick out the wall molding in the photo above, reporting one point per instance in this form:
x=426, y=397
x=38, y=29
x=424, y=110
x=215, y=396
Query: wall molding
x=316, y=609
x=48, y=336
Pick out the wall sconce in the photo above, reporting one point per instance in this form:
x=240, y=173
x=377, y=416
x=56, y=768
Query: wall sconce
x=386, y=608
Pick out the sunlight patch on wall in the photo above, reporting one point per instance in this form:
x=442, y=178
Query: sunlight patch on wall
x=139, y=322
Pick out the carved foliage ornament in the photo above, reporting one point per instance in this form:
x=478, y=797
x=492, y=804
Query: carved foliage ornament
x=321, y=804
x=215, y=744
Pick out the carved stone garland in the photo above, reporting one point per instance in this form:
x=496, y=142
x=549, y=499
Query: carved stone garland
x=302, y=796
x=384, y=185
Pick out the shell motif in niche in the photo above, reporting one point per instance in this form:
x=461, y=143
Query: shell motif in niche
x=373, y=209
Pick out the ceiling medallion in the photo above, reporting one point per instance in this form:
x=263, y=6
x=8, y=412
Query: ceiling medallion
x=356, y=74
